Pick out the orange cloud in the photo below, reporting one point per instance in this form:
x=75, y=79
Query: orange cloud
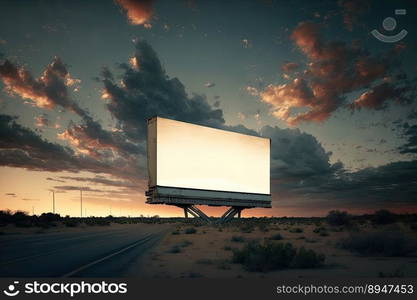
x=47, y=91
x=139, y=12
x=334, y=69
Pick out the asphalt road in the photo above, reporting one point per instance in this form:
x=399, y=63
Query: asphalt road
x=105, y=252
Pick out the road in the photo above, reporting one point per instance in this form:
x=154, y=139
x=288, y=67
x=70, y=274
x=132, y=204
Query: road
x=114, y=251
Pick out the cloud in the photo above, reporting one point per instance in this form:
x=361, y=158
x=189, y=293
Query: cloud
x=91, y=139
x=77, y=188
x=295, y=154
x=47, y=91
x=109, y=193
x=209, y=84
x=54, y=179
x=51, y=90
x=149, y=91
x=290, y=67
x=246, y=43
x=241, y=115
x=42, y=121
x=101, y=180
x=334, y=70
x=377, y=97
x=29, y=199
x=410, y=134
x=252, y=91
x=23, y=148
x=352, y=10
x=139, y=12
x=11, y=194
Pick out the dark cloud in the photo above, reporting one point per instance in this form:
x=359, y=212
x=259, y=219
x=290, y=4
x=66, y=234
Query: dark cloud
x=90, y=189
x=23, y=148
x=77, y=188
x=352, y=11
x=410, y=134
x=295, y=154
x=54, y=179
x=101, y=180
x=51, y=90
x=139, y=12
x=148, y=91
x=334, y=70
x=391, y=186
x=11, y=194
x=90, y=138
x=29, y=199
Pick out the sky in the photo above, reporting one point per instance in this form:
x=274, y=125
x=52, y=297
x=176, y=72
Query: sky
x=78, y=79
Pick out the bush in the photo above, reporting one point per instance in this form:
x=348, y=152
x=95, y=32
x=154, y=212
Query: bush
x=185, y=243
x=308, y=259
x=257, y=257
x=227, y=248
x=383, y=216
x=322, y=231
x=237, y=239
x=190, y=230
x=70, y=222
x=338, y=218
x=246, y=228
x=379, y=243
x=223, y=265
x=263, y=227
x=174, y=249
x=296, y=230
x=276, y=237
x=175, y=232
x=204, y=261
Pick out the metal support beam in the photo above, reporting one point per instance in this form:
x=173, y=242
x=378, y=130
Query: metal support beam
x=230, y=214
x=198, y=213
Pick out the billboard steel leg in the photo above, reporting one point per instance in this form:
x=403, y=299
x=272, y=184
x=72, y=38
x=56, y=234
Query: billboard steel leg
x=231, y=213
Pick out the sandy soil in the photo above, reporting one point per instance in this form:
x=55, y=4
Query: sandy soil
x=207, y=254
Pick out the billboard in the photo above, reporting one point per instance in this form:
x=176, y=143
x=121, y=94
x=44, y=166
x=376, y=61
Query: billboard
x=188, y=160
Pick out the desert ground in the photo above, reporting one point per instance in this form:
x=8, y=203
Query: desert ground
x=209, y=251
x=339, y=245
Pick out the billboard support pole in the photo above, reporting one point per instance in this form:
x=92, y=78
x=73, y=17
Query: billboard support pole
x=198, y=213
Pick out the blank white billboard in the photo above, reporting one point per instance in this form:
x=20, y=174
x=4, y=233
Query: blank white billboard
x=185, y=155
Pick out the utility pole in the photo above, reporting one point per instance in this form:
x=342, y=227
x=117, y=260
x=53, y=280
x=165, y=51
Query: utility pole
x=81, y=199
x=53, y=201
x=33, y=210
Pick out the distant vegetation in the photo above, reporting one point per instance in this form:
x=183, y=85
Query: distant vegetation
x=384, y=216
x=379, y=243
x=338, y=218
x=338, y=221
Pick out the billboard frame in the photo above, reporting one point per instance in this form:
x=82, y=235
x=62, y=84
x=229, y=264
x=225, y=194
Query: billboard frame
x=187, y=198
